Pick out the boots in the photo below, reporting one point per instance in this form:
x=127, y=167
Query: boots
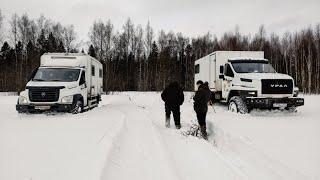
x=167, y=122
x=178, y=126
x=203, y=130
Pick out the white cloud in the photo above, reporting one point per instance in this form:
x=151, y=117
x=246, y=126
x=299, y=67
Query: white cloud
x=192, y=17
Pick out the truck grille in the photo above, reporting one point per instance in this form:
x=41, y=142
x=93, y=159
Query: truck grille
x=277, y=86
x=44, y=94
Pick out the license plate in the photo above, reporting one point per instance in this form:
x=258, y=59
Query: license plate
x=42, y=107
x=280, y=105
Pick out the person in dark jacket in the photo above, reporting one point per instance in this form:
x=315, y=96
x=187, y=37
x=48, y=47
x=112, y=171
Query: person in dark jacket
x=201, y=99
x=173, y=97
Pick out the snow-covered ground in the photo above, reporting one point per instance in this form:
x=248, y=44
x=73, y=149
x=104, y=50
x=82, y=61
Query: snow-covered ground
x=125, y=138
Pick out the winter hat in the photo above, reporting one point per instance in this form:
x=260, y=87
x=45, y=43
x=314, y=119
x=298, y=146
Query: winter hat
x=199, y=82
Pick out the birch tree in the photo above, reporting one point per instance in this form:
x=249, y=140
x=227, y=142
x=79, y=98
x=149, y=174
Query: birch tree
x=1, y=27
x=97, y=37
x=69, y=37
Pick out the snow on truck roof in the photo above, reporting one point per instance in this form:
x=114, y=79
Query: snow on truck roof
x=247, y=59
x=66, y=59
x=65, y=54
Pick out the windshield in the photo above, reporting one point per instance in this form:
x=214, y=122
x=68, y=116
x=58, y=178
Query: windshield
x=253, y=67
x=56, y=74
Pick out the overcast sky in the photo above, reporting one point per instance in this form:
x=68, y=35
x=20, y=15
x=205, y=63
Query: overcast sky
x=192, y=17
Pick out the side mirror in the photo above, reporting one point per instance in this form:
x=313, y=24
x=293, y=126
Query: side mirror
x=82, y=79
x=221, y=69
x=221, y=76
x=82, y=83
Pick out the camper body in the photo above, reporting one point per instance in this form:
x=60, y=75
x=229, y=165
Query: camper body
x=245, y=80
x=64, y=82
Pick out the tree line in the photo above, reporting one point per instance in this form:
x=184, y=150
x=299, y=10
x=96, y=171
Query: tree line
x=137, y=58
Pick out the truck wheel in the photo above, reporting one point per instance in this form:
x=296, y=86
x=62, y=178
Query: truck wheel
x=77, y=107
x=98, y=99
x=237, y=105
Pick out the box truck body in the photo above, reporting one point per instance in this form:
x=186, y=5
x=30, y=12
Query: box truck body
x=209, y=66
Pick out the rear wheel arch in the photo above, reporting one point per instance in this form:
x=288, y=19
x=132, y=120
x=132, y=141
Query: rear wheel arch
x=77, y=101
x=77, y=97
x=233, y=93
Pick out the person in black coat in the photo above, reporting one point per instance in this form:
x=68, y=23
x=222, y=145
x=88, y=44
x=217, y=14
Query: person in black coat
x=173, y=97
x=201, y=99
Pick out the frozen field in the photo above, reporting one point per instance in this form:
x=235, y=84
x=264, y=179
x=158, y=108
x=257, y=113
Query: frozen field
x=125, y=138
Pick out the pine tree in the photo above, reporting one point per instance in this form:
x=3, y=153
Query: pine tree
x=42, y=43
x=61, y=48
x=92, y=51
x=33, y=59
x=51, y=43
x=153, y=60
x=5, y=47
x=4, y=65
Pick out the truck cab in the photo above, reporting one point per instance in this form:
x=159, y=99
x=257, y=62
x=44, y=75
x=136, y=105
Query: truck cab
x=253, y=83
x=63, y=83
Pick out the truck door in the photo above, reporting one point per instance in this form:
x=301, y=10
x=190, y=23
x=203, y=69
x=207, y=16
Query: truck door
x=227, y=81
x=83, y=88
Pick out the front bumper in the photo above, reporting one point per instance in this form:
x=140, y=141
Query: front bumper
x=43, y=107
x=273, y=103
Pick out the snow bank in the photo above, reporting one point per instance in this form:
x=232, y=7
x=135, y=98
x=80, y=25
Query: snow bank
x=8, y=93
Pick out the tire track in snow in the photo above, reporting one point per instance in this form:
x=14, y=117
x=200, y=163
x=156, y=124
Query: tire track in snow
x=243, y=159
x=108, y=138
x=173, y=149
x=246, y=161
x=137, y=154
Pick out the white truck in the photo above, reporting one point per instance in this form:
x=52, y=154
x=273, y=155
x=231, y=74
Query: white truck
x=245, y=80
x=64, y=82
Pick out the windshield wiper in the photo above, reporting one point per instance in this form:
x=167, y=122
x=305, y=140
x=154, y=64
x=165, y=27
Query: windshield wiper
x=55, y=80
x=38, y=79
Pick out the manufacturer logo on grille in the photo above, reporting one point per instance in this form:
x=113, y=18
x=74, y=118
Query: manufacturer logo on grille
x=279, y=85
x=43, y=94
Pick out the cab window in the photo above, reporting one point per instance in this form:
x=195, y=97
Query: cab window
x=100, y=73
x=93, y=71
x=228, y=71
x=82, y=78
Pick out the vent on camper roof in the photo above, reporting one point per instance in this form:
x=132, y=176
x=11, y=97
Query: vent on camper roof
x=63, y=57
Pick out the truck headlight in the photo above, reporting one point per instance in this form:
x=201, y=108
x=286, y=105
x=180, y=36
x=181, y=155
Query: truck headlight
x=23, y=100
x=251, y=93
x=67, y=99
x=295, y=92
